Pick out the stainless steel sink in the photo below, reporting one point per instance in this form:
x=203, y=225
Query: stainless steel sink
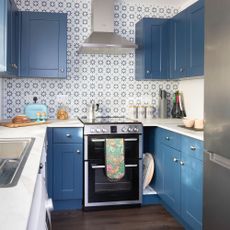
x=13, y=155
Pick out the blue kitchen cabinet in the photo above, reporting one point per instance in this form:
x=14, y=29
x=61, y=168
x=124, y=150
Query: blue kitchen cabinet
x=68, y=175
x=8, y=38
x=65, y=167
x=192, y=182
x=178, y=46
x=152, y=38
x=195, y=39
x=171, y=177
x=178, y=177
x=43, y=42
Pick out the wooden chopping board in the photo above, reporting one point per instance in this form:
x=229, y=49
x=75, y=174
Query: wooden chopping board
x=17, y=125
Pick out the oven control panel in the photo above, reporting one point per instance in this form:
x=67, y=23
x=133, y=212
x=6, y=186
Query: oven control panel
x=113, y=129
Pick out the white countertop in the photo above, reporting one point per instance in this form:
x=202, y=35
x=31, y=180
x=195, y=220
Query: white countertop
x=172, y=125
x=15, y=202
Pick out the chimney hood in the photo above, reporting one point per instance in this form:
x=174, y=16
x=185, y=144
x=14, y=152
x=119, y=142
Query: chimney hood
x=103, y=39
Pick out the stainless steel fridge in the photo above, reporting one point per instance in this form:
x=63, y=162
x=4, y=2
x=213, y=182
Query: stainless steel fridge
x=217, y=116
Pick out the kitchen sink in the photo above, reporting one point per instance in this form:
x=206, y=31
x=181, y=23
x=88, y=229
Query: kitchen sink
x=13, y=155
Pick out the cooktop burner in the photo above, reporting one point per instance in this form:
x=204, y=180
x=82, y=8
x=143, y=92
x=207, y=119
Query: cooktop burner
x=108, y=120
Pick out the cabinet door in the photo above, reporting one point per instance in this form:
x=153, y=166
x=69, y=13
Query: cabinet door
x=8, y=37
x=67, y=171
x=171, y=190
x=152, y=38
x=191, y=190
x=178, y=46
x=43, y=44
x=195, y=39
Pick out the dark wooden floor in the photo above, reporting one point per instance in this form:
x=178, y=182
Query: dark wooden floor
x=145, y=218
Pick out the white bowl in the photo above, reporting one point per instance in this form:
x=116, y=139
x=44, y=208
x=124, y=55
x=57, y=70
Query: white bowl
x=188, y=122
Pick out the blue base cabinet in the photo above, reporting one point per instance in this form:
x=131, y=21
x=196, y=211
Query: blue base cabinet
x=43, y=42
x=8, y=38
x=65, y=167
x=178, y=177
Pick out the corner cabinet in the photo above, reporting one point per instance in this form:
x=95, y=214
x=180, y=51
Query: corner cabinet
x=151, y=57
x=178, y=46
x=195, y=39
x=43, y=42
x=65, y=167
x=8, y=38
x=178, y=176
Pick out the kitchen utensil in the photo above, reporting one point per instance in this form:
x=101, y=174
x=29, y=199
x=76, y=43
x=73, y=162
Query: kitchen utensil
x=92, y=108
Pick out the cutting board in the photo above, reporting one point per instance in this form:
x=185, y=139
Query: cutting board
x=17, y=125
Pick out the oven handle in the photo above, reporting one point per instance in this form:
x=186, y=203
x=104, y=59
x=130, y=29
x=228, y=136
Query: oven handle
x=103, y=140
x=103, y=166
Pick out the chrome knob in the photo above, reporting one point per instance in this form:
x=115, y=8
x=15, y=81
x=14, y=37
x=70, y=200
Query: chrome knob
x=175, y=160
x=148, y=72
x=78, y=151
x=181, y=70
x=193, y=148
x=92, y=130
x=181, y=163
x=124, y=129
x=98, y=130
x=135, y=130
x=68, y=135
x=62, y=70
x=130, y=130
x=104, y=130
x=167, y=138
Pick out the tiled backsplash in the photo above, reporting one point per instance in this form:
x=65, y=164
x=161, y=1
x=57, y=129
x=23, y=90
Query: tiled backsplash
x=107, y=79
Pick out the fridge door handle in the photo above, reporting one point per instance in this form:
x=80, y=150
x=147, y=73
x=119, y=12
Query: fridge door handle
x=222, y=161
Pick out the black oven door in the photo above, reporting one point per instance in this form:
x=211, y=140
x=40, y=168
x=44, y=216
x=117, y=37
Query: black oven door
x=96, y=146
x=101, y=189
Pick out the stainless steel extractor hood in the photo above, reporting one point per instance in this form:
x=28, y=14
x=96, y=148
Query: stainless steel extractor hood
x=103, y=39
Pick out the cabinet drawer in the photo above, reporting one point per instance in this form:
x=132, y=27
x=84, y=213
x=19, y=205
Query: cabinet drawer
x=192, y=147
x=171, y=139
x=67, y=135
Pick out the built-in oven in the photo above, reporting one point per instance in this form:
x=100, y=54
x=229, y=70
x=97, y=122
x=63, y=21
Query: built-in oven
x=99, y=189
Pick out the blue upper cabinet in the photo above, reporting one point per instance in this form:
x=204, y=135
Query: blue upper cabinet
x=195, y=39
x=8, y=38
x=178, y=46
x=152, y=38
x=43, y=42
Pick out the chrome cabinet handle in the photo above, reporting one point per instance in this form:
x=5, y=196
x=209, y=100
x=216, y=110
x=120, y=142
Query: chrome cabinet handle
x=68, y=135
x=167, y=138
x=148, y=72
x=181, y=163
x=103, y=140
x=181, y=70
x=193, y=148
x=175, y=160
x=78, y=151
x=62, y=70
x=103, y=166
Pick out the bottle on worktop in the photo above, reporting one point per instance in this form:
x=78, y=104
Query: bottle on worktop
x=162, y=110
x=178, y=110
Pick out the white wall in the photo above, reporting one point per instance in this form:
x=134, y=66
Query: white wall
x=193, y=91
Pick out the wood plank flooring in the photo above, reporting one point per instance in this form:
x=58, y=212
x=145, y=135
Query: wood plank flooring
x=144, y=218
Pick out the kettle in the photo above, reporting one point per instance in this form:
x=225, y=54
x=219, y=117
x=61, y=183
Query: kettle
x=92, y=108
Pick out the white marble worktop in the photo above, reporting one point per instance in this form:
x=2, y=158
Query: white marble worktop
x=15, y=202
x=172, y=125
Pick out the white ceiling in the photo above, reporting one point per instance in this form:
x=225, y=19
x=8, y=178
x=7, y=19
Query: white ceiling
x=180, y=4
